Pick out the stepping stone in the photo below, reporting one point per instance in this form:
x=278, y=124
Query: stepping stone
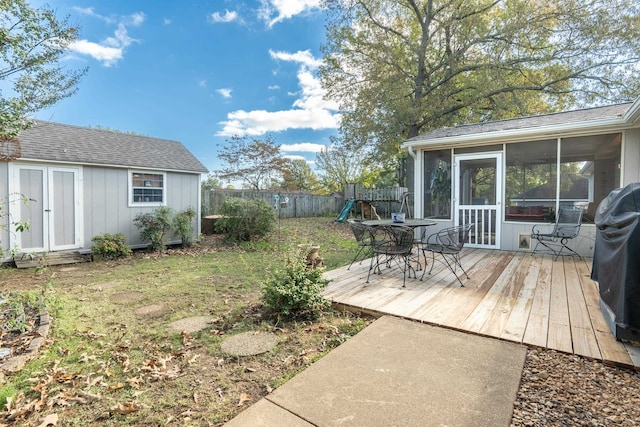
x=191, y=324
x=127, y=296
x=103, y=286
x=250, y=343
x=155, y=310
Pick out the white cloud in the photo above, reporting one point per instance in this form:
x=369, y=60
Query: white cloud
x=90, y=12
x=285, y=9
x=166, y=21
x=225, y=92
x=228, y=16
x=303, y=147
x=202, y=83
x=293, y=157
x=309, y=111
x=303, y=57
x=273, y=87
x=110, y=50
x=107, y=55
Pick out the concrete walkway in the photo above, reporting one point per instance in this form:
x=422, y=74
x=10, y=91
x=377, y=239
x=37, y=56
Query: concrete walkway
x=399, y=373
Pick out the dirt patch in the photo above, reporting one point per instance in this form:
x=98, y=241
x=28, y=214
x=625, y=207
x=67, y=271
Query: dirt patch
x=249, y=343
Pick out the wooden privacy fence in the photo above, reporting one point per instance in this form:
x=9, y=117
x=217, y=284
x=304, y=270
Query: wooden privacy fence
x=287, y=204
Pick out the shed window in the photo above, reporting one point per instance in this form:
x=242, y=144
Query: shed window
x=147, y=188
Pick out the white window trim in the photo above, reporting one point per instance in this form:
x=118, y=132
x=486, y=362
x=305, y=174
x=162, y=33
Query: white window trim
x=146, y=204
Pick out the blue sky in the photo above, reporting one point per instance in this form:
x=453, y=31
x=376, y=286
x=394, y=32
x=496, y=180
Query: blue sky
x=200, y=71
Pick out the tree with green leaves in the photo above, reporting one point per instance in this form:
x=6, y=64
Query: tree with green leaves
x=337, y=165
x=400, y=68
x=298, y=176
x=32, y=41
x=256, y=162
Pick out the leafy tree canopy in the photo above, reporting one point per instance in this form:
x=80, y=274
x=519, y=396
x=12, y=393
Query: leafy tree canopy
x=32, y=41
x=400, y=68
x=256, y=162
x=341, y=164
x=298, y=176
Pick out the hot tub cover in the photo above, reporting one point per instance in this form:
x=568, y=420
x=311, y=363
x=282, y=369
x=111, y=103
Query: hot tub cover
x=616, y=259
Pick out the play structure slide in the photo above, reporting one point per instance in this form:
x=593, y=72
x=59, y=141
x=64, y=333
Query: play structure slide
x=344, y=213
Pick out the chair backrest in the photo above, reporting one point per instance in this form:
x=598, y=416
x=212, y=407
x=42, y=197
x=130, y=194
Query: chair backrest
x=360, y=231
x=455, y=237
x=568, y=222
x=396, y=239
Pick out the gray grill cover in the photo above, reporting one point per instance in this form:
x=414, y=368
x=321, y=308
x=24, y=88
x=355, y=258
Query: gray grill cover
x=616, y=260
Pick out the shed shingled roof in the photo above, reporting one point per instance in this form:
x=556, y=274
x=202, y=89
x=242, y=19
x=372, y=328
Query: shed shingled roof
x=59, y=142
x=576, y=116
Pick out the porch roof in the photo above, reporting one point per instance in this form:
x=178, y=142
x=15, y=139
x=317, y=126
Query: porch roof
x=606, y=119
x=57, y=142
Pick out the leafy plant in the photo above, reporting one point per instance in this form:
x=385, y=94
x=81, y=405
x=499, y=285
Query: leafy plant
x=154, y=226
x=19, y=226
x=111, y=246
x=295, y=292
x=244, y=220
x=182, y=226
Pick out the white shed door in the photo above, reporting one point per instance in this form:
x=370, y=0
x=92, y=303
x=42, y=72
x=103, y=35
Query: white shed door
x=52, y=210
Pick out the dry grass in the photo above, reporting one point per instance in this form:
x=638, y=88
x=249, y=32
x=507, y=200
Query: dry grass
x=113, y=360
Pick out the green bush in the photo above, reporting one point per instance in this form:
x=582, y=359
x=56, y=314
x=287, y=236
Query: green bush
x=182, y=226
x=243, y=220
x=111, y=246
x=295, y=292
x=154, y=226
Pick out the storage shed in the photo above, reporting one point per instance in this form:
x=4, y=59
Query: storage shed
x=82, y=182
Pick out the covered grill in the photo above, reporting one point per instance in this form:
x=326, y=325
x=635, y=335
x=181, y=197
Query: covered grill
x=616, y=261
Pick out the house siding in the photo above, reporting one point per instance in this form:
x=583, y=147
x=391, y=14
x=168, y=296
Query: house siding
x=631, y=157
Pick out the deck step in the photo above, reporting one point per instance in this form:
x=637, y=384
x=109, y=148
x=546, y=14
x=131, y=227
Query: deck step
x=51, y=258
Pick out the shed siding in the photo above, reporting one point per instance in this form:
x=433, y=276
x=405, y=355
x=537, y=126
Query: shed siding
x=4, y=197
x=106, y=202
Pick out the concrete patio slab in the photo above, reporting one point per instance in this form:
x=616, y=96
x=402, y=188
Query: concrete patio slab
x=402, y=373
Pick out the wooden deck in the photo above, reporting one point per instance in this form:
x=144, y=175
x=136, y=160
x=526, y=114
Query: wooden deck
x=514, y=296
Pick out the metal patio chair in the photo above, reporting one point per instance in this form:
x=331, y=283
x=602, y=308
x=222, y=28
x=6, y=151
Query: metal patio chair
x=567, y=227
x=448, y=243
x=363, y=237
x=391, y=243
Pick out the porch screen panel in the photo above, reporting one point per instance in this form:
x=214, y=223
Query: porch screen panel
x=437, y=184
x=64, y=232
x=589, y=171
x=530, y=185
x=32, y=188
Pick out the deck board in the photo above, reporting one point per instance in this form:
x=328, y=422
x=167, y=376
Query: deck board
x=582, y=333
x=612, y=350
x=519, y=297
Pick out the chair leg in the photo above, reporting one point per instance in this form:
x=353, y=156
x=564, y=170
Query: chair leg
x=453, y=269
x=360, y=249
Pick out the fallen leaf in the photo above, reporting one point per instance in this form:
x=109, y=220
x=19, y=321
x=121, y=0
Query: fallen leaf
x=244, y=398
x=115, y=387
x=49, y=420
x=126, y=408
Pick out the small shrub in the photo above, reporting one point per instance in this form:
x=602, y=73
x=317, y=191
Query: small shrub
x=154, y=226
x=110, y=246
x=182, y=226
x=295, y=292
x=244, y=220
